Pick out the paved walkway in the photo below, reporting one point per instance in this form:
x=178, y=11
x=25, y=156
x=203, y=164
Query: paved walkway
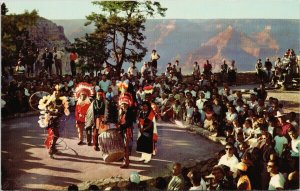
x=26, y=164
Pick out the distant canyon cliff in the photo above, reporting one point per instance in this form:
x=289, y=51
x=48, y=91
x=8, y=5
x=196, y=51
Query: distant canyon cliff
x=242, y=40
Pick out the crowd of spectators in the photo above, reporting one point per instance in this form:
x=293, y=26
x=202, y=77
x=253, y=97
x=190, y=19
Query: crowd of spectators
x=262, y=141
x=284, y=69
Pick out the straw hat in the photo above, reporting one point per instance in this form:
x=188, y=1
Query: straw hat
x=242, y=166
x=279, y=114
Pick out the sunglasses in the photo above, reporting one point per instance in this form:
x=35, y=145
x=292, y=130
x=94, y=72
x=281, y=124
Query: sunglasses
x=228, y=148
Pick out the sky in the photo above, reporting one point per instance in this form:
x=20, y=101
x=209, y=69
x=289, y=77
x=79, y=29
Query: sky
x=177, y=9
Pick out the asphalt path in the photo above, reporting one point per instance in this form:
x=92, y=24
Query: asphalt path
x=26, y=164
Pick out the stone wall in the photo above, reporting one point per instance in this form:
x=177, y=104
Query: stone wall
x=204, y=167
x=242, y=78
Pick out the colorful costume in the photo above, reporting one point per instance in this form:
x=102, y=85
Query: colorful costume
x=148, y=90
x=96, y=114
x=83, y=92
x=126, y=124
x=52, y=108
x=147, y=126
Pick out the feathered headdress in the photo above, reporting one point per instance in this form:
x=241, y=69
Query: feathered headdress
x=44, y=106
x=123, y=85
x=85, y=88
x=125, y=98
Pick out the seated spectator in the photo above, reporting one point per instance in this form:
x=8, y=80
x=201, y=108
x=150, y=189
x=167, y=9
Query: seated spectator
x=135, y=182
x=93, y=187
x=196, y=180
x=177, y=181
x=160, y=183
x=229, y=159
x=277, y=180
x=73, y=187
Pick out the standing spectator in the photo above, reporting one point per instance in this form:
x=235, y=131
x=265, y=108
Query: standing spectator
x=259, y=70
x=224, y=71
x=196, y=71
x=48, y=61
x=145, y=70
x=232, y=73
x=20, y=69
x=207, y=69
x=30, y=59
x=58, y=56
x=268, y=69
x=177, y=70
x=132, y=70
x=104, y=83
x=73, y=58
x=154, y=58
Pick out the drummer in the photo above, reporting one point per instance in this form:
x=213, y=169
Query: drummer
x=95, y=117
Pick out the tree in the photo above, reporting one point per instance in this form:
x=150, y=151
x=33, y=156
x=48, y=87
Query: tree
x=121, y=24
x=92, y=48
x=15, y=35
x=4, y=10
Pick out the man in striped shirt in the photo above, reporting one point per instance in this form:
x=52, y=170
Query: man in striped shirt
x=177, y=181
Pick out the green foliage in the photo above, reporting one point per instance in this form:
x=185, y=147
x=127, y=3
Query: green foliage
x=92, y=49
x=120, y=26
x=14, y=34
x=4, y=9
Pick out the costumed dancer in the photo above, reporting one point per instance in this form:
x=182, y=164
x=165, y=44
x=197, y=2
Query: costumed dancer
x=126, y=125
x=96, y=114
x=52, y=108
x=82, y=93
x=148, y=90
x=146, y=125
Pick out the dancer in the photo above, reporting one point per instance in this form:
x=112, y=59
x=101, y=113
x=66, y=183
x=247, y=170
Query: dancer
x=146, y=125
x=82, y=93
x=126, y=125
x=96, y=115
x=52, y=108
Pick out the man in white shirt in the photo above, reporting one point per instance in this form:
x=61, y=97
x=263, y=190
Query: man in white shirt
x=104, y=83
x=295, y=142
x=58, y=56
x=277, y=180
x=200, y=103
x=196, y=180
x=229, y=159
x=132, y=70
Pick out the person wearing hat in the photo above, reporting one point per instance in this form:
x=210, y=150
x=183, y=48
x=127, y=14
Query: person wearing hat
x=95, y=116
x=82, y=105
x=243, y=182
x=281, y=123
x=125, y=125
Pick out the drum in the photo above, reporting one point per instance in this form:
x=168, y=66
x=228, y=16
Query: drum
x=112, y=145
x=102, y=128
